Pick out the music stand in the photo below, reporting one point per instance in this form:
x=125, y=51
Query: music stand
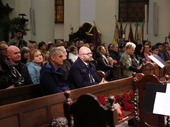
x=160, y=62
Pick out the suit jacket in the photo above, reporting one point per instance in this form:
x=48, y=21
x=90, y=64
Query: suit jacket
x=52, y=81
x=79, y=76
x=125, y=58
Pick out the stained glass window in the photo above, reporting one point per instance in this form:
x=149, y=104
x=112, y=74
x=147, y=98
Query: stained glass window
x=59, y=11
x=132, y=10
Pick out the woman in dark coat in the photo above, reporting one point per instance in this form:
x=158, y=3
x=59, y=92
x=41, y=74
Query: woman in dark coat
x=103, y=63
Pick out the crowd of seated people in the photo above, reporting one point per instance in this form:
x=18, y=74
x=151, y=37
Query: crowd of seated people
x=67, y=65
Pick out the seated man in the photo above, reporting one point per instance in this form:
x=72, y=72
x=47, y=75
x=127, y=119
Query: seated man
x=52, y=79
x=14, y=56
x=9, y=77
x=73, y=55
x=82, y=73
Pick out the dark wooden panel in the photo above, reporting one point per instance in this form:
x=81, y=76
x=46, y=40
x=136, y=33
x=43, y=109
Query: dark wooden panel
x=9, y=121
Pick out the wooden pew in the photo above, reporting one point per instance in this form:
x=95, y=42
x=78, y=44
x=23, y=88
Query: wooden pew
x=145, y=119
x=8, y=96
x=17, y=94
x=41, y=111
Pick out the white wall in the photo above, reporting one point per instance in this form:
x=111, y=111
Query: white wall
x=163, y=21
x=20, y=6
x=71, y=16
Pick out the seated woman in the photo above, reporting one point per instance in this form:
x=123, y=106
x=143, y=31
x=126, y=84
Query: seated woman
x=139, y=53
x=103, y=63
x=128, y=58
x=34, y=65
x=25, y=54
x=147, y=48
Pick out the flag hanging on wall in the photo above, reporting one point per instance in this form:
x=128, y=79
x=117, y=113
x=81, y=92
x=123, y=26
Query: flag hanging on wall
x=130, y=38
x=116, y=33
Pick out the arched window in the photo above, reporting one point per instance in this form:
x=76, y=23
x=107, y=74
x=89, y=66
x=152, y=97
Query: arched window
x=132, y=10
x=59, y=11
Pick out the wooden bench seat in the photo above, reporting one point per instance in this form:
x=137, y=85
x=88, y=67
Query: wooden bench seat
x=17, y=94
x=42, y=110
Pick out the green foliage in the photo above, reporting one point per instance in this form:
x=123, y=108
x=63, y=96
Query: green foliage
x=8, y=26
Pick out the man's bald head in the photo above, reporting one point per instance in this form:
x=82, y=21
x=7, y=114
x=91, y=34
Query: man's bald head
x=14, y=55
x=85, y=54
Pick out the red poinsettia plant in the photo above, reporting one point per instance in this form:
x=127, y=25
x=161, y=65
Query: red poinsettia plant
x=105, y=102
x=126, y=100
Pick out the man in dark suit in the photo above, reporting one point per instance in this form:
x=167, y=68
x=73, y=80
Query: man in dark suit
x=82, y=72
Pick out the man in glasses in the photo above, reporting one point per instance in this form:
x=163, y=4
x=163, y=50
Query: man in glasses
x=3, y=50
x=82, y=73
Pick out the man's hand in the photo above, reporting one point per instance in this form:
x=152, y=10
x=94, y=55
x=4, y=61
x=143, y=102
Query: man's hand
x=103, y=81
x=139, y=67
x=10, y=87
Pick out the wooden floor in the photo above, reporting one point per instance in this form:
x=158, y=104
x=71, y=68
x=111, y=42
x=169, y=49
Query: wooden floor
x=125, y=124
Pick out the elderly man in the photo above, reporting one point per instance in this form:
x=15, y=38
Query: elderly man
x=52, y=79
x=14, y=56
x=131, y=63
x=114, y=53
x=82, y=73
x=66, y=64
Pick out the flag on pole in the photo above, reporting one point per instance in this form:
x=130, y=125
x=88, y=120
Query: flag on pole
x=121, y=31
x=116, y=33
x=96, y=36
x=124, y=32
x=140, y=40
x=130, y=38
x=136, y=33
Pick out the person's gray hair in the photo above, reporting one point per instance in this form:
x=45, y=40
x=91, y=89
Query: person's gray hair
x=53, y=52
x=60, y=47
x=24, y=50
x=130, y=45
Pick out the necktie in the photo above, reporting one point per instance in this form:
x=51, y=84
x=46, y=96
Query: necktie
x=90, y=76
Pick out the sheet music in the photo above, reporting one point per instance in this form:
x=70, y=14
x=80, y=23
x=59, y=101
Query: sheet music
x=156, y=61
x=162, y=102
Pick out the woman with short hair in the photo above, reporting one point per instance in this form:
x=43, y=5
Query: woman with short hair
x=34, y=65
x=131, y=63
x=25, y=54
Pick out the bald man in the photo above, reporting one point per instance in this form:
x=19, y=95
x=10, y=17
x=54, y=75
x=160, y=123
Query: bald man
x=82, y=73
x=14, y=56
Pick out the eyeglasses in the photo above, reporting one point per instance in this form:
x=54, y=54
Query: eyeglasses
x=4, y=49
x=90, y=53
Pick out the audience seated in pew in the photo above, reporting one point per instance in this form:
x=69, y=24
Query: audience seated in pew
x=165, y=51
x=139, y=53
x=83, y=73
x=147, y=48
x=103, y=63
x=155, y=50
x=73, y=55
x=66, y=64
x=25, y=54
x=114, y=52
x=9, y=76
x=160, y=53
x=34, y=65
x=52, y=79
x=14, y=56
x=131, y=63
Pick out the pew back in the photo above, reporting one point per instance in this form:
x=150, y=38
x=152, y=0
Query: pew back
x=17, y=94
x=145, y=119
x=41, y=111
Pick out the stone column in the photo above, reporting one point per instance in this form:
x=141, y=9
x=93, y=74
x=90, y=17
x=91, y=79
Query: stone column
x=43, y=11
